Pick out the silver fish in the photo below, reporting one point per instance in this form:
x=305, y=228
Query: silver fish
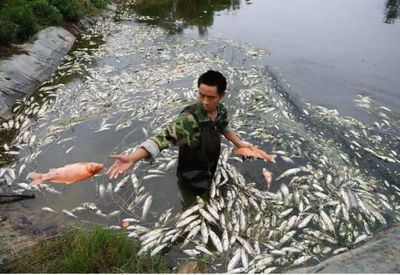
x=69, y=213
x=187, y=220
x=216, y=241
x=302, y=260
x=190, y=211
x=121, y=184
x=102, y=190
x=151, y=176
x=48, y=209
x=204, y=250
x=305, y=221
x=146, y=206
x=234, y=260
x=204, y=232
x=207, y=216
x=191, y=252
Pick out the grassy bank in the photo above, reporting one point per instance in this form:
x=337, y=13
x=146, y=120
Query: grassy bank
x=20, y=19
x=97, y=250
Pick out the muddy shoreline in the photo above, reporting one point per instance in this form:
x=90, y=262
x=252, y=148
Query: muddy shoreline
x=20, y=230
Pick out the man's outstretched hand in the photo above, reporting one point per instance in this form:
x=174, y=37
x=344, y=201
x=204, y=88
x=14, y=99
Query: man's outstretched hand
x=121, y=164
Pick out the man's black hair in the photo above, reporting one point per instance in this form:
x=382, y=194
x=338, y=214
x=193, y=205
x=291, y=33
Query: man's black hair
x=213, y=78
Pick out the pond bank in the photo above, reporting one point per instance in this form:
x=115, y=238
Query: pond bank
x=379, y=255
x=19, y=230
x=21, y=74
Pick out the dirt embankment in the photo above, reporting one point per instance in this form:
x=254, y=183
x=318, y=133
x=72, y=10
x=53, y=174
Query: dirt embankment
x=19, y=230
x=34, y=62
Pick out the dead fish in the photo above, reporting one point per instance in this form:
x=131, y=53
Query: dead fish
x=23, y=166
x=216, y=241
x=69, y=213
x=48, y=209
x=268, y=177
x=24, y=185
x=170, y=164
x=151, y=176
x=302, y=260
x=385, y=158
x=68, y=174
x=289, y=172
x=102, y=190
x=156, y=171
x=109, y=188
x=237, y=159
x=191, y=252
x=130, y=220
x=65, y=140
x=11, y=173
x=125, y=224
x=121, y=184
x=69, y=149
x=146, y=206
x=234, y=260
x=114, y=213
x=190, y=211
x=287, y=159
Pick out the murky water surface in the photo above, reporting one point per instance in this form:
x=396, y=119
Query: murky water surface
x=335, y=182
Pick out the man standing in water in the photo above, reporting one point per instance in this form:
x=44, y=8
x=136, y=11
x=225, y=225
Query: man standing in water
x=197, y=131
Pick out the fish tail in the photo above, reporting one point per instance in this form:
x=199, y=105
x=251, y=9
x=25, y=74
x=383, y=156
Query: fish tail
x=37, y=178
x=272, y=158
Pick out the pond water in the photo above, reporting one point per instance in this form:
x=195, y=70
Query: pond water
x=300, y=85
x=328, y=51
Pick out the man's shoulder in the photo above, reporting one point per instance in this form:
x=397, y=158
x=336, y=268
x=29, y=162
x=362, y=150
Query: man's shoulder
x=186, y=120
x=222, y=111
x=194, y=111
x=221, y=107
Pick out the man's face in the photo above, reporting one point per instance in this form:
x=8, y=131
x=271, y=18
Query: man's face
x=209, y=97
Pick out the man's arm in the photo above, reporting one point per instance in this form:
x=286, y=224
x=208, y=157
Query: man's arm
x=178, y=132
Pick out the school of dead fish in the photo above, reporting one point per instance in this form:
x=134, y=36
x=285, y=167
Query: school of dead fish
x=324, y=202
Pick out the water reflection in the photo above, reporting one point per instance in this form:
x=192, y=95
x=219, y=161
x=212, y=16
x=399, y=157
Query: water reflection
x=392, y=11
x=176, y=15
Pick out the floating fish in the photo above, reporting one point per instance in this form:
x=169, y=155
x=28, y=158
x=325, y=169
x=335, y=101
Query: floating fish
x=289, y=172
x=125, y=224
x=234, y=260
x=146, y=206
x=102, y=190
x=48, y=209
x=151, y=176
x=268, y=177
x=68, y=174
x=69, y=213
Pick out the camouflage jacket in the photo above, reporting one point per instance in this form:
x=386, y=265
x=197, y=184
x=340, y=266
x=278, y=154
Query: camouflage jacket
x=184, y=129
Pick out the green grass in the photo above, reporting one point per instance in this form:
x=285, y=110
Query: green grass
x=97, y=250
x=20, y=19
x=46, y=14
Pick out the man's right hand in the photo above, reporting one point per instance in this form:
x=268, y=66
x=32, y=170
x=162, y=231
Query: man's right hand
x=121, y=164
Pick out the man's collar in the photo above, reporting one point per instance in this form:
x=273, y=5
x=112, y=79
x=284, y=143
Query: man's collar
x=203, y=112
